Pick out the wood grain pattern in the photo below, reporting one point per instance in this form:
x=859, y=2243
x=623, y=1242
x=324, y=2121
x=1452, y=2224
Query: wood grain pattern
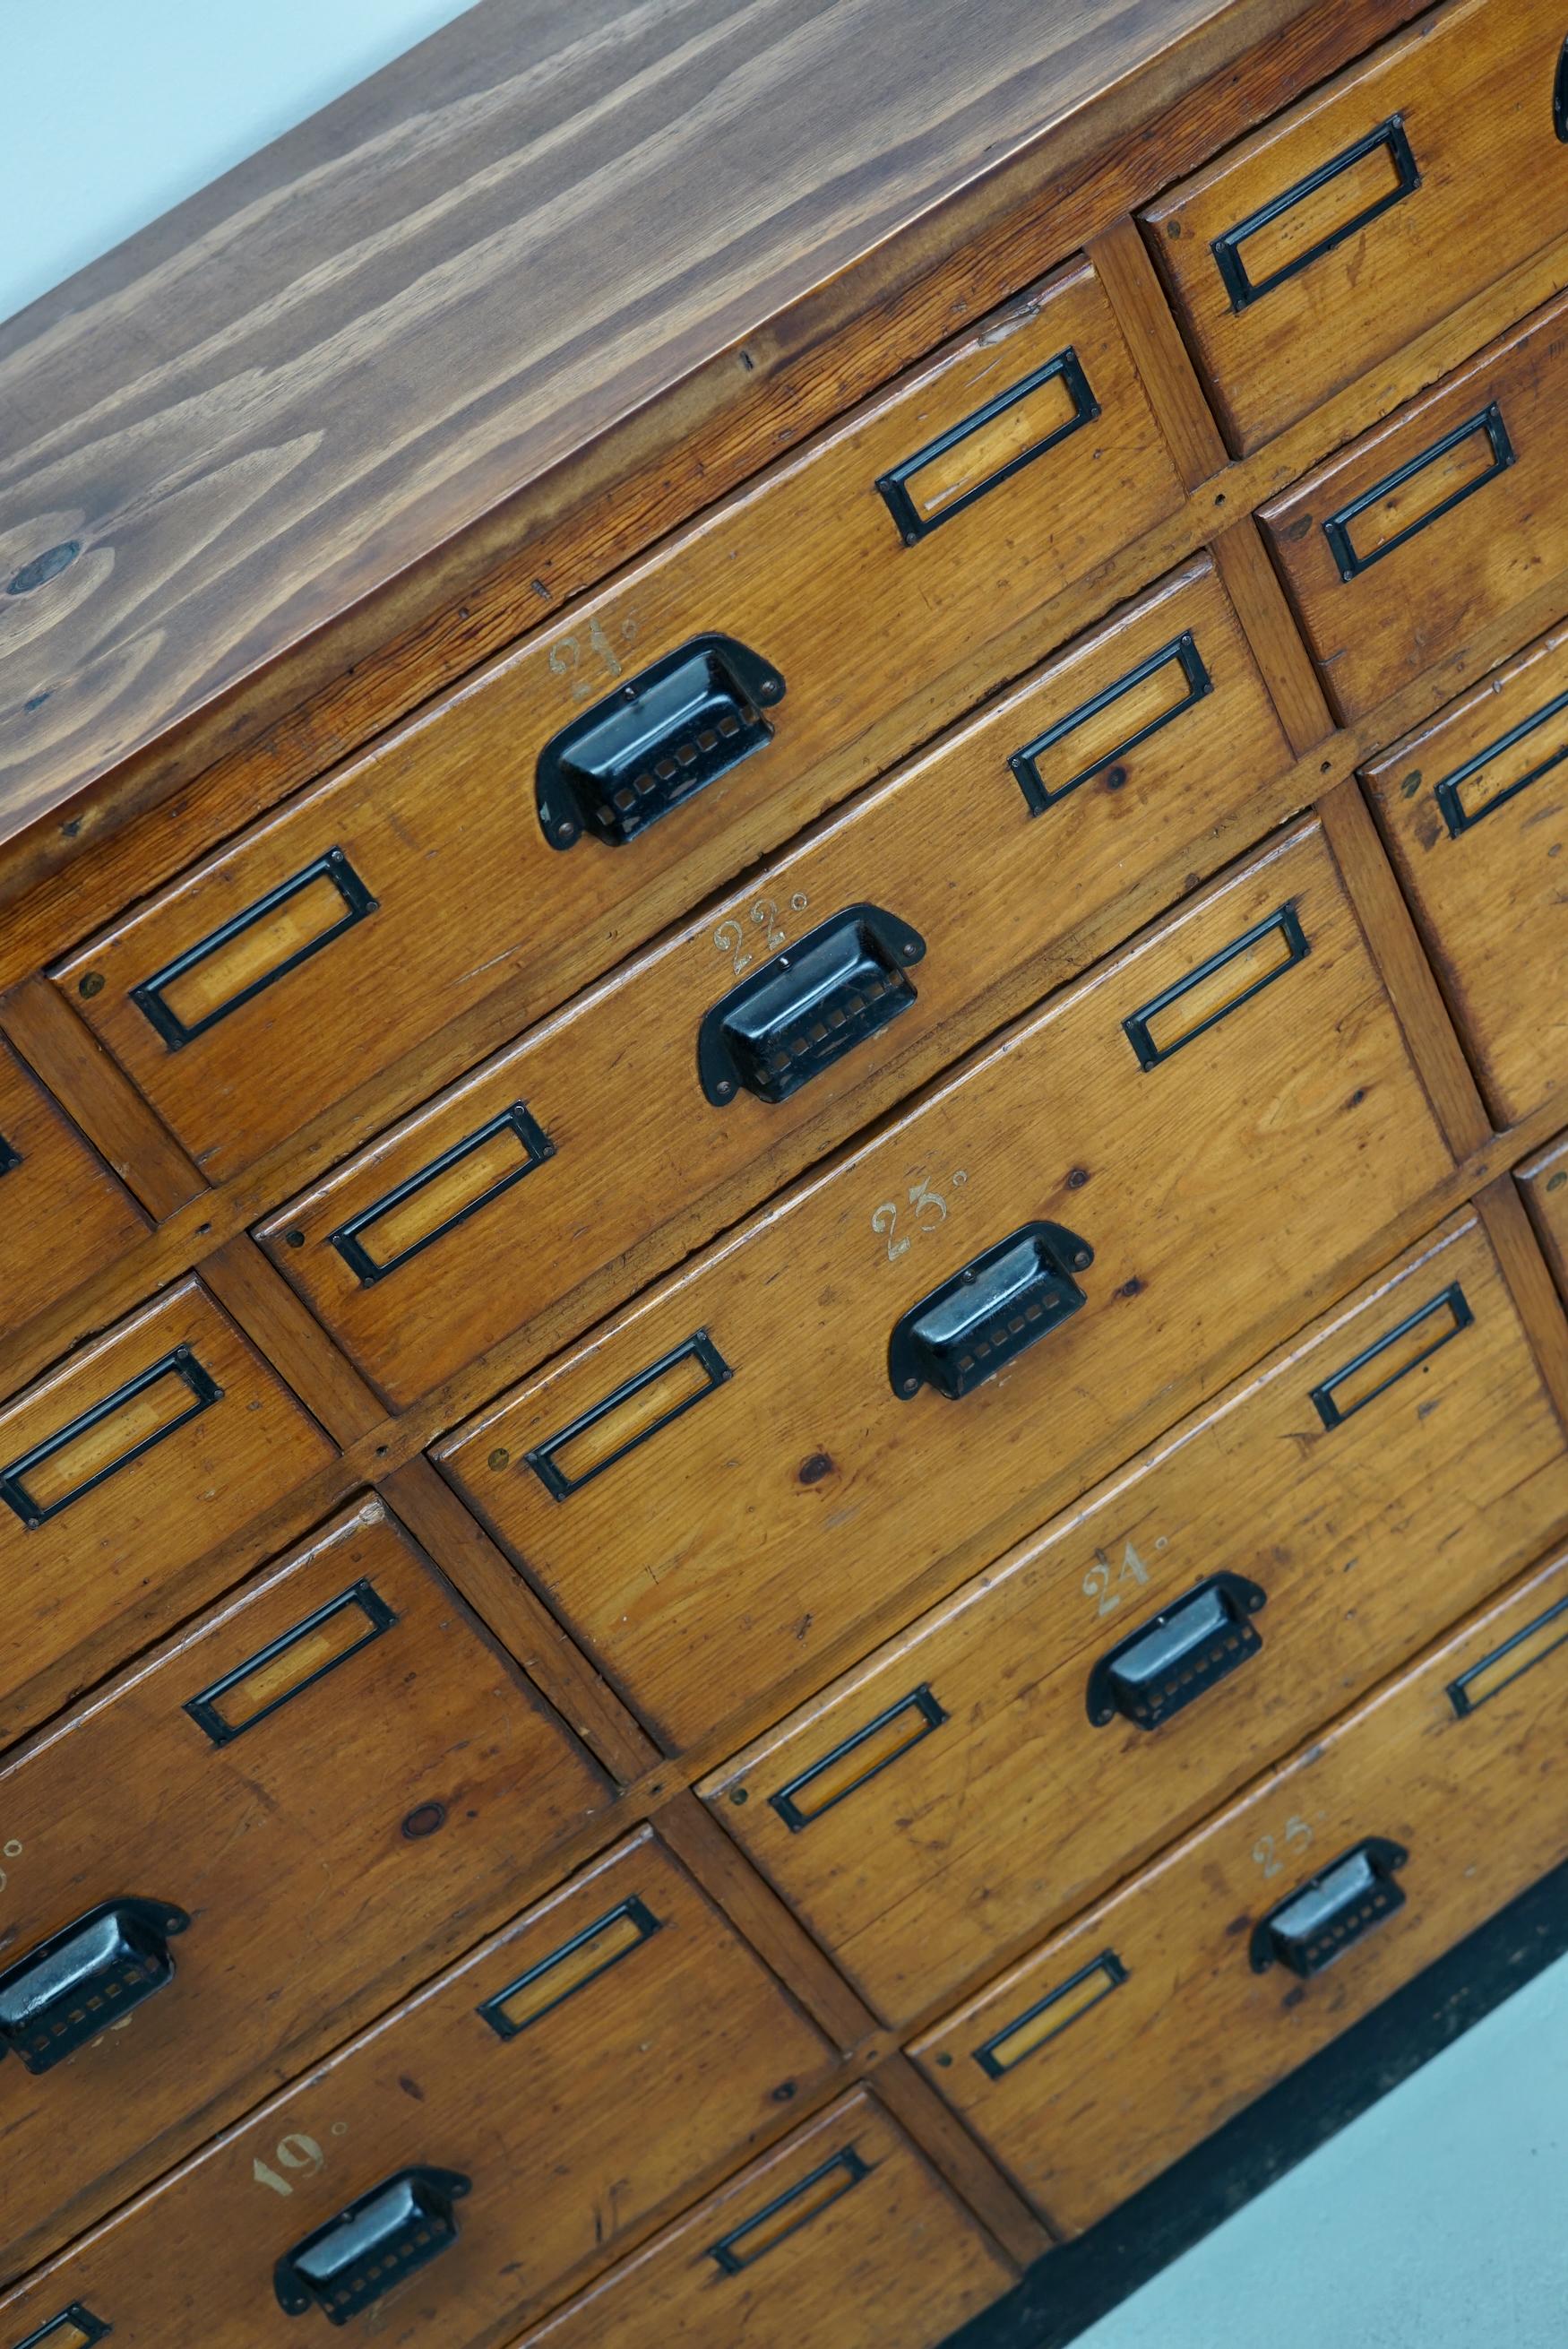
x=63, y=1215
x=1015, y=1810
x=1192, y=2033
x=1124, y=269
x=131, y=1539
x=527, y=145
x=1543, y=1183
x=1471, y=88
x=1540, y=1306
x=1295, y=1132
x=397, y=1799
x=110, y=1110
x=270, y=1316
x=1447, y=526
x=1474, y=808
x=881, y=2246
x=1005, y=904
x=438, y=825
x=525, y=1627
x=611, y=2106
x=1406, y=974
x=479, y=592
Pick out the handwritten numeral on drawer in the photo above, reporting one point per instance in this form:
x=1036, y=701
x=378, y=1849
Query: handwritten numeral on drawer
x=254, y=949
x=569, y=1969
x=1505, y=768
x=291, y=1663
x=74, y=2328
x=459, y=1183
x=97, y=1445
x=1296, y=228
x=1180, y=1014
x=818, y=2191
x=637, y=1411
x=1315, y=1925
x=1051, y=2015
x=988, y=448
x=1387, y=1360
x=1510, y=1662
x=857, y=1759
x=1416, y=494
x=1101, y=731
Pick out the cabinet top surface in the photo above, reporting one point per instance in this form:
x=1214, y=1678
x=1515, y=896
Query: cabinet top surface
x=444, y=292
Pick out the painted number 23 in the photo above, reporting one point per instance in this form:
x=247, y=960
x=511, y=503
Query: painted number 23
x=1266, y=1851
x=929, y=1209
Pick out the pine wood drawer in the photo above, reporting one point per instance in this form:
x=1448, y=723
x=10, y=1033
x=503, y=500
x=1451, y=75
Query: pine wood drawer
x=983, y=1776
x=1140, y=751
x=1094, y=2064
x=842, y=2235
x=1365, y=214
x=357, y=922
x=655, y=1480
x=1474, y=808
x=123, y=1473
x=1434, y=522
x=331, y=1779
x=1543, y=1180
x=606, y=2054
x=63, y=1215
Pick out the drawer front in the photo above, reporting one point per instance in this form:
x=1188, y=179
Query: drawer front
x=842, y=2235
x=1543, y=1180
x=403, y=1772
x=1475, y=811
x=121, y=1474
x=1171, y=2006
x=746, y=1412
x=420, y=878
x=1072, y=1709
x=1088, y=795
x=1366, y=214
x=607, y=2053
x=1434, y=522
x=63, y=1215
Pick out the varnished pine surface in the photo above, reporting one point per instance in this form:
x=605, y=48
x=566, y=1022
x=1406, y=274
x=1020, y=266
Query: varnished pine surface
x=261, y=410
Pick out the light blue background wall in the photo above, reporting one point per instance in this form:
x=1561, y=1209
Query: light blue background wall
x=112, y=110
x=1440, y=2220
x=1437, y=2220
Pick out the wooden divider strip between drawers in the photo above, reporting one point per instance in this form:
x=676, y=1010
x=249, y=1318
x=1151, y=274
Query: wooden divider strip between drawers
x=1263, y=610
x=1535, y=1293
x=1170, y=380
x=213, y=1216
x=125, y=1129
x=773, y=1931
x=959, y=2158
x=1389, y=929
x=506, y=1605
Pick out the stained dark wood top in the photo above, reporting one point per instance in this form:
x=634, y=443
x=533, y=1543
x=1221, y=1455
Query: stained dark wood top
x=451, y=290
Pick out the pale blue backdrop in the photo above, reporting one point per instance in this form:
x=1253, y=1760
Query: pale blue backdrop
x=1440, y=2220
